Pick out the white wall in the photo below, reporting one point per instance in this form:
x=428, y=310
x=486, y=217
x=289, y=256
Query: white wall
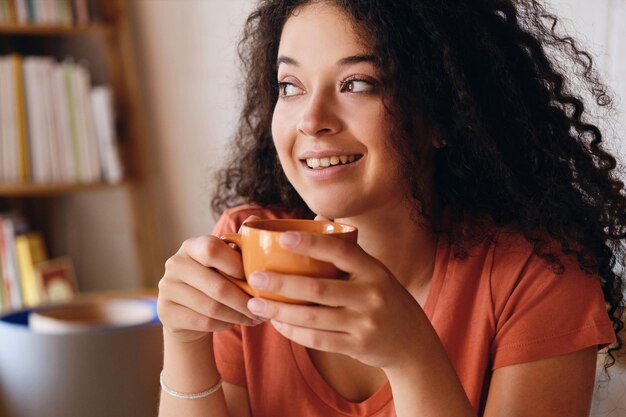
x=187, y=59
x=599, y=27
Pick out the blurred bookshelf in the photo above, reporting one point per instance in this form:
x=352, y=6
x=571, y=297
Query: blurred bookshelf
x=52, y=29
x=78, y=53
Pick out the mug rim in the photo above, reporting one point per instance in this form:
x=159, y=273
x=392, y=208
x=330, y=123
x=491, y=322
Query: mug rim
x=346, y=228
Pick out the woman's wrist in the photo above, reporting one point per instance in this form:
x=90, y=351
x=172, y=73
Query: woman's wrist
x=189, y=366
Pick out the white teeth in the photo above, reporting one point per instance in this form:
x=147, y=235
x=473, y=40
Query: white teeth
x=331, y=161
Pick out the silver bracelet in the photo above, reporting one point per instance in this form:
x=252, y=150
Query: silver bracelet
x=190, y=396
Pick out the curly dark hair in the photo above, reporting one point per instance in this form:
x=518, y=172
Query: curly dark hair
x=489, y=77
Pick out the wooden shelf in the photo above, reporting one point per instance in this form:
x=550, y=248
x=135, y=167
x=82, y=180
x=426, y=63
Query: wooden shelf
x=59, y=30
x=39, y=190
x=104, y=44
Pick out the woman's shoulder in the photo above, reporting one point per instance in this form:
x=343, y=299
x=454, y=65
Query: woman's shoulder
x=233, y=217
x=509, y=258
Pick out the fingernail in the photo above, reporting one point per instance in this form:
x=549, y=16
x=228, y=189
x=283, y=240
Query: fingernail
x=258, y=280
x=290, y=238
x=256, y=306
x=277, y=325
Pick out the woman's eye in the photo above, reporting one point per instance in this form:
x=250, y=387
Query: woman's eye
x=288, y=90
x=357, y=86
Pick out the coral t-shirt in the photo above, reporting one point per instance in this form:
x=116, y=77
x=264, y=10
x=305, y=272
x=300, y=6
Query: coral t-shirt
x=500, y=306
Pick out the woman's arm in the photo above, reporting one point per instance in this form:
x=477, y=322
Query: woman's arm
x=194, y=301
x=558, y=386
x=181, y=366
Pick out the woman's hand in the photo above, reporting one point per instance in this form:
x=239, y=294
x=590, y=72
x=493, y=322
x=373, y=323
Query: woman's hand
x=194, y=298
x=370, y=317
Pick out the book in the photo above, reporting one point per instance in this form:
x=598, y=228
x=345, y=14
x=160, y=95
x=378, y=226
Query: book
x=72, y=120
x=87, y=137
x=81, y=12
x=102, y=104
x=21, y=119
x=50, y=119
x=57, y=279
x=62, y=125
x=11, y=119
x=30, y=251
x=4, y=11
x=6, y=107
x=64, y=12
x=21, y=11
x=10, y=224
x=38, y=140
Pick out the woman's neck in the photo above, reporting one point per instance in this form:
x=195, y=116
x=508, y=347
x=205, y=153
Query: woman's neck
x=405, y=247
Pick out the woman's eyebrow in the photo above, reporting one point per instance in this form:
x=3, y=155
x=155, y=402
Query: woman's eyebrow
x=349, y=60
x=357, y=59
x=282, y=59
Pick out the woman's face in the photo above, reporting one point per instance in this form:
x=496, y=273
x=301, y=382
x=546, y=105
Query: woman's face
x=329, y=125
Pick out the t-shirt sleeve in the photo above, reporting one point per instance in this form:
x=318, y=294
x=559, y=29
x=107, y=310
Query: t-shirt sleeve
x=540, y=313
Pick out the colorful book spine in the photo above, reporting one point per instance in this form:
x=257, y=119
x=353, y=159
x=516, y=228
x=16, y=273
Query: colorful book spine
x=30, y=252
x=10, y=278
x=20, y=108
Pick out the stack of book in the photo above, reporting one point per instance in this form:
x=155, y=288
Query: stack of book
x=54, y=126
x=49, y=12
x=27, y=277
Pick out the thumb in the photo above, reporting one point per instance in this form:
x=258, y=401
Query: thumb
x=249, y=219
x=319, y=217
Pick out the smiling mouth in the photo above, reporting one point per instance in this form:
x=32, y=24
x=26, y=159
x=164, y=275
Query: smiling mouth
x=330, y=161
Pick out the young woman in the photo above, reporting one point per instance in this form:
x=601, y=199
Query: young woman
x=491, y=223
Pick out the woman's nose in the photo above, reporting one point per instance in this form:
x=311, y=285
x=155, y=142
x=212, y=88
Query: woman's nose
x=320, y=116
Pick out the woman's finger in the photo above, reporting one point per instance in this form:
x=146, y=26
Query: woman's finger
x=209, y=282
x=326, y=341
x=249, y=219
x=319, y=217
x=212, y=252
x=190, y=297
x=326, y=291
x=182, y=318
x=312, y=317
x=346, y=256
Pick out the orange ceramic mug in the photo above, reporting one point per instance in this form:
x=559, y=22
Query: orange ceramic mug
x=260, y=248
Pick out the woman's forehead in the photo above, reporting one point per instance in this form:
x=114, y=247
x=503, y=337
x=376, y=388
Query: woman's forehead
x=321, y=28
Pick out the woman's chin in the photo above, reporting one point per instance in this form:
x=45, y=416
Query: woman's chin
x=331, y=210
